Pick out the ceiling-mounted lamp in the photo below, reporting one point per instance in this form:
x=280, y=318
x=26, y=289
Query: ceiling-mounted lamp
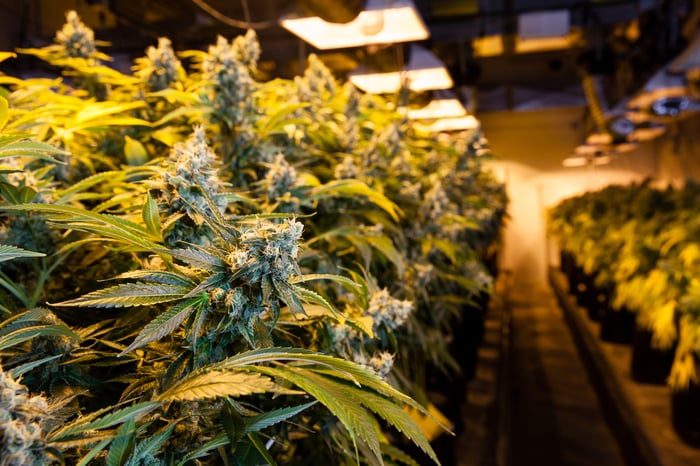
x=423, y=72
x=665, y=97
x=381, y=22
x=574, y=161
x=465, y=123
x=589, y=155
x=444, y=105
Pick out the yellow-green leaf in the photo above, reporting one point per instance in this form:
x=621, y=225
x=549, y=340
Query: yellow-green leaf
x=5, y=55
x=151, y=216
x=215, y=384
x=135, y=153
x=4, y=112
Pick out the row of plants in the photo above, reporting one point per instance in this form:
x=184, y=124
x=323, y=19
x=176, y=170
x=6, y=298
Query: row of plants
x=201, y=267
x=632, y=254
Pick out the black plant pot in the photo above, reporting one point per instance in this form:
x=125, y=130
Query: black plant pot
x=567, y=264
x=649, y=364
x=599, y=303
x=468, y=335
x=616, y=326
x=685, y=414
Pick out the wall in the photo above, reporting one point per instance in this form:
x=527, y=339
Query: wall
x=529, y=147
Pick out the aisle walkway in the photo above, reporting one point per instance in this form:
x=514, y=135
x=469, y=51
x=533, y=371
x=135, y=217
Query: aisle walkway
x=555, y=419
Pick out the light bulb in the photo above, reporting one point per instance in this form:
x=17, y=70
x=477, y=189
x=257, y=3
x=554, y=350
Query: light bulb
x=371, y=22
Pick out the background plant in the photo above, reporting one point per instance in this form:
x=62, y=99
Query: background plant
x=258, y=256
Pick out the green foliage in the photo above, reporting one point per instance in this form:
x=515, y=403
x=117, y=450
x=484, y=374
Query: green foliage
x=199, y=267
x=642, y=243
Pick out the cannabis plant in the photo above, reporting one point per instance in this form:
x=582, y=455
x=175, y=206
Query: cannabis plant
x=207, y=268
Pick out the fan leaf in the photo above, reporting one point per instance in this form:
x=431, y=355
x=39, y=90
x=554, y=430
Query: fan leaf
x=129, y=294
x=165, y=323
x=215, y=384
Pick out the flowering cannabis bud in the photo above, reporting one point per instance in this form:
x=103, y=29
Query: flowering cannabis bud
x=387, y=310
x=280, y=177
x=22, y=418
x=268, y=250
x=192, y=171
x=77, y=39
x=436, y=203
x=160, y=67
x=246, y=49
x=230, y=73
x=382, y=363
x=317, y=87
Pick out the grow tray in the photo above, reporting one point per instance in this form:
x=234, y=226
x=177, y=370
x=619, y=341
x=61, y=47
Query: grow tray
x=639, y=414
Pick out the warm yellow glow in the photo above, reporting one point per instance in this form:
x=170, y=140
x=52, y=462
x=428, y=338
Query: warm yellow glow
x=488, y=46
x=582, y=161
x=382, y=22
x=645, y=100
x=468, y=122
x=491, y=46
x=439, y=108
x=599, y=138
x=424, y=72
x=546, y=44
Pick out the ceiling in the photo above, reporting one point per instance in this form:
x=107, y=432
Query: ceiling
x=625, y=40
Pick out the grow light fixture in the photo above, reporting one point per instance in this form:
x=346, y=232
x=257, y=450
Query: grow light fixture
x=424, y=72
x=585, y=160
x=445, y=105
x=381, y=22
x=665, y=97
x=468, y=122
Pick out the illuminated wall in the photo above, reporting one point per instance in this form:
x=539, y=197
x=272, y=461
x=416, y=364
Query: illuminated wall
x=529, y=147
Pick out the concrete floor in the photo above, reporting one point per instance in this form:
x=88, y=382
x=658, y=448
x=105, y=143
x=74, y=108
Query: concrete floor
x=555, y=416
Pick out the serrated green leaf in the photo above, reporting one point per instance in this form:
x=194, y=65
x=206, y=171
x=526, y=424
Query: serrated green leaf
x=129, y=294
x=88, y=423
x=164, y=324
x=219, y=441
x=312, y=297
x=25, y=334
x=19, y=371
x=233, y=423
x=395, y=415
x=260, y=447
x=135, y=153
x=8, y=252
x=214, y=384
x=96, y=450
x=123, y=444
x=109, y=226
x=33, y=149
x=158, y=276
x=347, y=282
x=151, y=216
x=149, y=446
x=199, y=257
x=270, y=418
x=341, y=402
x=397, y=455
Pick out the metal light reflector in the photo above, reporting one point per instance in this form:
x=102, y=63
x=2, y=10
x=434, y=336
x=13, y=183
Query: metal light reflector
x=424, y=72
x=382, y=22
x=468, y=122
x=444, y=106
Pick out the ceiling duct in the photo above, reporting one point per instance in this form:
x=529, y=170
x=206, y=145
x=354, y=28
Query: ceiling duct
x=333, y=11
